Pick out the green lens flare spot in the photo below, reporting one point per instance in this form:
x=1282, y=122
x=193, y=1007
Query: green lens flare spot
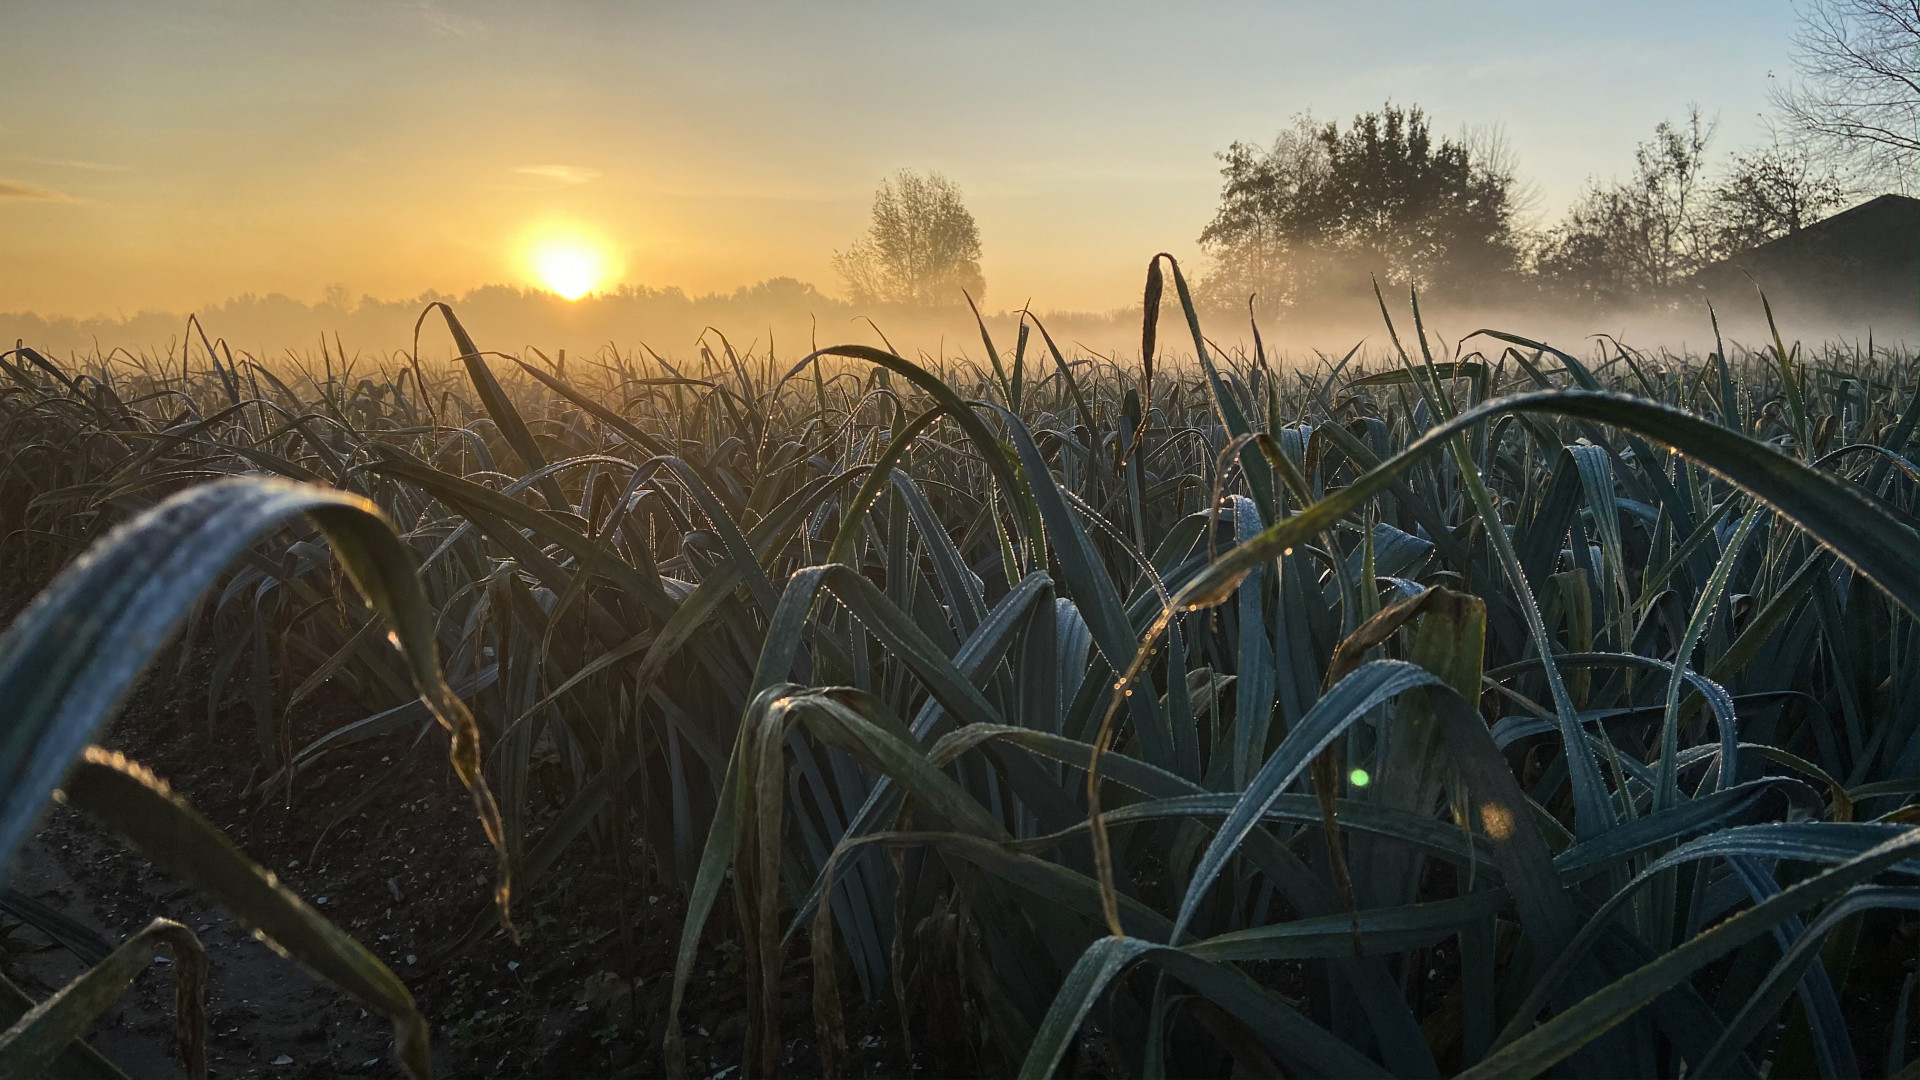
x=1359, y=778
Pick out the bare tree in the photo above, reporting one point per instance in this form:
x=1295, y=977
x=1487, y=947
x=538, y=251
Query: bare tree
x=922, y=246
x=1642, y=235
x=1858, y=92
x=1670, y=173
x=1771, y=193
x=1497, y=162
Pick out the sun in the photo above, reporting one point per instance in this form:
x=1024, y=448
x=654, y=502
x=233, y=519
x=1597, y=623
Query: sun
x=570, y=267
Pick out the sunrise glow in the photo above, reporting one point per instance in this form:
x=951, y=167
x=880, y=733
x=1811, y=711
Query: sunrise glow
x=571, y=268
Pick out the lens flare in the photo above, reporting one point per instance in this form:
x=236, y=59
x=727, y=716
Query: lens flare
x=1497, y=820
x=569, y=268
x=1359, y=778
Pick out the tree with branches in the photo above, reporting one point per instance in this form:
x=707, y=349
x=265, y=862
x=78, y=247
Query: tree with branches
x=1325, y=207
x=1857, y=95
x=1773, y=192
x=922, y=247
x=1642, y=235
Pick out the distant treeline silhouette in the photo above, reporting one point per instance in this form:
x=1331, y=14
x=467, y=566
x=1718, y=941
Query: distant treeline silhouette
x=666, y=320
x=1310, y=222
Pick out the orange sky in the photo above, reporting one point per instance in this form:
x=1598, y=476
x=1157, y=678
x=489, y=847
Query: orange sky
x=166, y=156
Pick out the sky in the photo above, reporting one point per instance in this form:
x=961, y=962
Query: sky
x=165, y=156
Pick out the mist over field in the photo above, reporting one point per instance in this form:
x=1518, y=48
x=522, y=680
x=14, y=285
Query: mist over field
x=795, y=317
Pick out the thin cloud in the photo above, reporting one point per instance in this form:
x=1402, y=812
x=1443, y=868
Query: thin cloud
x=18, y=191
x=447, y=23
x=70, y=163
x=566, y=174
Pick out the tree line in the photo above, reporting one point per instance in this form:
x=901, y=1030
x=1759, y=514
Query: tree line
x=1325, y=209
x=1317, y=215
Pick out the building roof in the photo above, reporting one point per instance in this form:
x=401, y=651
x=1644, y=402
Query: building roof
x=1861, y=262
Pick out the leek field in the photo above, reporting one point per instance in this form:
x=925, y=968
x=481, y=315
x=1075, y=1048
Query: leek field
x=1483, y=709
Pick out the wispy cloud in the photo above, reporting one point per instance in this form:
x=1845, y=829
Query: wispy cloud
x=70, y=163
x=20, y=191
x=446, y=23
x=566, y=174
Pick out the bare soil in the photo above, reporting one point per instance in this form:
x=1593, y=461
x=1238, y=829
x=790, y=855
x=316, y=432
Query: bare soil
x=408, y=873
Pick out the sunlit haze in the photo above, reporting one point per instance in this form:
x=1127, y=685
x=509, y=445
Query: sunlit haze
x=166, y=157
x=568, y=266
